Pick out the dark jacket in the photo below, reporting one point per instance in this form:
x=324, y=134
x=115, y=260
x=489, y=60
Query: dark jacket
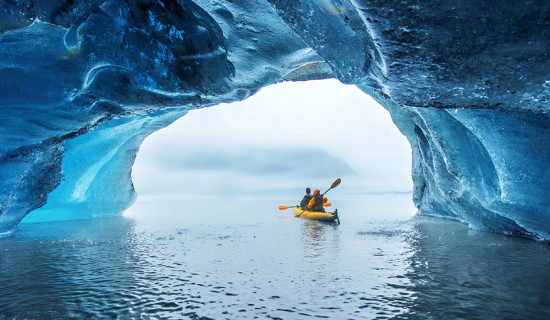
x=305, y=201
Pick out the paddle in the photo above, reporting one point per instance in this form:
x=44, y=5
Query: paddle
x=286, y=207
x=328, y=204
x=334, y=185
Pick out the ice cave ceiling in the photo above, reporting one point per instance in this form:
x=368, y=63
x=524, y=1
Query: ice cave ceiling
x=82, y=83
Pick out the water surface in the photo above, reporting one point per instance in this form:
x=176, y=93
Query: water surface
x=228, y=258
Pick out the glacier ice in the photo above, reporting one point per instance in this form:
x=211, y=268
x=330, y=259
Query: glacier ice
x=97, y=168
x=82, y=83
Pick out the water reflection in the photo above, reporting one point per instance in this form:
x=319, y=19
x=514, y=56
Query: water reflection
x=255, y=262
x=317, y=237
x=68, y=269
x=460, y=273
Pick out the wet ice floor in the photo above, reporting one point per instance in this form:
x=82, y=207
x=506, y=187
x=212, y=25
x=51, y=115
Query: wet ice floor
x=228, y=258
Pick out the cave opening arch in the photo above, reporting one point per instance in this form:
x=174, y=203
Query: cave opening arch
x=284, y=136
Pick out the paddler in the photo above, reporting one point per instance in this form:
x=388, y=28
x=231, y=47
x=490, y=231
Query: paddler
x=306, y=199
x=317, y=201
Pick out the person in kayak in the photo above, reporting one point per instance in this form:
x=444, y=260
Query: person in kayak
x=317, y=201
x=305, y=200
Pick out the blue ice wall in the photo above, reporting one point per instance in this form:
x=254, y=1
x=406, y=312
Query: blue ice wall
x=484, y=167
x=97, y=169
x=83, y=82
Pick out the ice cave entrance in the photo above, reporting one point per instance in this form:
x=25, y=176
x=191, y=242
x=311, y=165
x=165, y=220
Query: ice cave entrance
x=283, y=138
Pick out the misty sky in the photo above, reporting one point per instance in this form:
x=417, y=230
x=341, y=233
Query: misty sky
x=286, y=137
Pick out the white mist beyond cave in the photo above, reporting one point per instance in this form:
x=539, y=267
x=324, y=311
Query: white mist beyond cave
x=277, y=142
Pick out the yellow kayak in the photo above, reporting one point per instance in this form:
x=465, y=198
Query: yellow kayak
x=319, y=216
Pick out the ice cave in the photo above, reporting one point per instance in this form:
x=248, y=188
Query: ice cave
x=82, y=83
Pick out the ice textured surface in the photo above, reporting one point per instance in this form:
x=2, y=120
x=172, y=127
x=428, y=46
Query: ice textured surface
x=83, y=82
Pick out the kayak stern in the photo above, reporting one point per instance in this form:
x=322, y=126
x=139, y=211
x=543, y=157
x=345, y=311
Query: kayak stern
x=319, y=216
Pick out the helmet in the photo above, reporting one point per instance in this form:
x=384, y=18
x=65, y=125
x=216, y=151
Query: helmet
x=316, y=192
x=308, y=190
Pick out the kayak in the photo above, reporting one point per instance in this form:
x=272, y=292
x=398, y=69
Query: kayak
x=319, y=216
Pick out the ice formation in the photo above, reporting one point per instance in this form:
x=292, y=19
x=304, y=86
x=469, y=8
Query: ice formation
x=82, y=83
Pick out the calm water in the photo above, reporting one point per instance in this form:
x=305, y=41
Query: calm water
x=242, y=258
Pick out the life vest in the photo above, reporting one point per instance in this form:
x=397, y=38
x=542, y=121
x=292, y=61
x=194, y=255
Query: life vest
x=318, y=205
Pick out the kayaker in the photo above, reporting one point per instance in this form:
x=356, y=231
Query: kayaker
x=305, y=200
x=317, y=201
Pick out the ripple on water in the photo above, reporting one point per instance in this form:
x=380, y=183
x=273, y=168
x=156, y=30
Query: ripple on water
x=277, y=268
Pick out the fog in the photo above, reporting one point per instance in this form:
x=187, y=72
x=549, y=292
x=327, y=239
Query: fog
x=286, y=137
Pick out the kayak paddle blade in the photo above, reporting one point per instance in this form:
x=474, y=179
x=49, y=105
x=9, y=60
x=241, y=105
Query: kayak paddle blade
x=336, y=183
